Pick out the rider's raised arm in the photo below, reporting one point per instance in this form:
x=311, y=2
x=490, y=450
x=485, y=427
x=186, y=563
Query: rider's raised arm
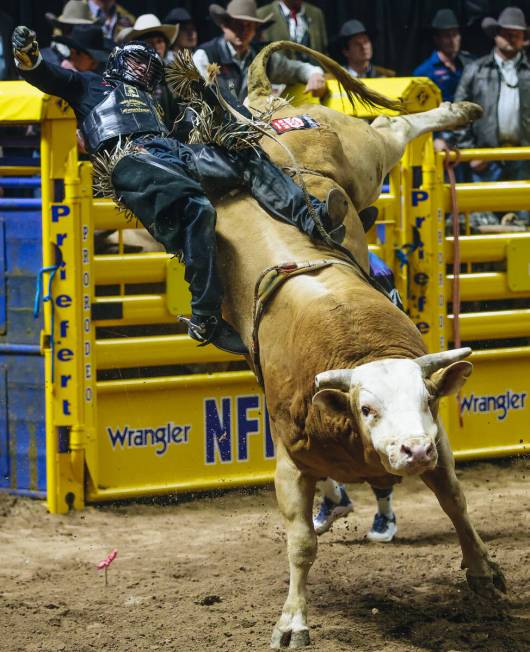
x=47, y=77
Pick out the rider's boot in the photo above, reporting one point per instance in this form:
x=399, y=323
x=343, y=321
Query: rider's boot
x=213, y=329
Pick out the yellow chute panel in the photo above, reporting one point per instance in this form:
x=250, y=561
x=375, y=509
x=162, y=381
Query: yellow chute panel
x=416, y=93
x=24, y=103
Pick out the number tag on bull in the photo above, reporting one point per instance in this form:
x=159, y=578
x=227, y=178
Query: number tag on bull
x=281, y=125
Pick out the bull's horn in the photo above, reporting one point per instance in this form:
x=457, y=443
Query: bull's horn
x=434, y=361
x=334, y=379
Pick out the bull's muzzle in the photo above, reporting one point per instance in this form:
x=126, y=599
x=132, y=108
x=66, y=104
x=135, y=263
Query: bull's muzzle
x=414, y=456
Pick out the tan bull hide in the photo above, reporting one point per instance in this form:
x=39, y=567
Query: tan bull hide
x=331, y=319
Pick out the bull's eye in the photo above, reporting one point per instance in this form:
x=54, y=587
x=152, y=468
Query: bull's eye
x=365, y=410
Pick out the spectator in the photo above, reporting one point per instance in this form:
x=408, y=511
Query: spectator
x=356, y=46
x=150, y=30
x=75, y=12
x=187, y=35
x=87, y=49
x=298, y=21
x=111, y=16
x=446, y=63
x=500, y=83
x=234, y=52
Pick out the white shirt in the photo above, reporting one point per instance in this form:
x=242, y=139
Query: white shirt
x=297, y=28
x=508, y=107
x=243, y=62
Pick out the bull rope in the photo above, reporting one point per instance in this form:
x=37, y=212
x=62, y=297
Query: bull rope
x=268, y=283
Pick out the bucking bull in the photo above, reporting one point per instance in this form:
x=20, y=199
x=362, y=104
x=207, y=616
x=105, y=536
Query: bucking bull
x=351, y=391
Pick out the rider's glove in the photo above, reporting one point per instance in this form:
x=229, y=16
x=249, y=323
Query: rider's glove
x=25, y=47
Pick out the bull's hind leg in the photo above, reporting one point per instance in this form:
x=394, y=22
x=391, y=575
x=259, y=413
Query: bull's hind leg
x=483, y=575
x=399, y=131
x=295, y=493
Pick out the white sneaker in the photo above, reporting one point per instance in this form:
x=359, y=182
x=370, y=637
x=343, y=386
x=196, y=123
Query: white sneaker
x=383, y=529
x=329, y=512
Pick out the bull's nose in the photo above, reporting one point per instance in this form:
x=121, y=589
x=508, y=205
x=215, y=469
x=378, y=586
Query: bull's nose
x=418, y=453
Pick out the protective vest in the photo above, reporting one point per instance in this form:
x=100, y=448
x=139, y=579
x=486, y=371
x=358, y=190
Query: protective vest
x=126, y=111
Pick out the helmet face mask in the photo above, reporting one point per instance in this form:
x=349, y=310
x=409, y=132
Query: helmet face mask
x=136, y=63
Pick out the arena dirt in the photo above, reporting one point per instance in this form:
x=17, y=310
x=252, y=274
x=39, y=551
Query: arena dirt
x=211, y=574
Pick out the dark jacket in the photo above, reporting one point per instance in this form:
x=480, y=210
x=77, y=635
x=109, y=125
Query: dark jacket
x=82, y=90
x=171, y=107
x=233, y=80
x=480, y=83
x=445, y=78
x=279, y=30
x=52, y=55
x=231, y=77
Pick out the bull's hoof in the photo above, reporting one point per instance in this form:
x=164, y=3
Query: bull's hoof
x=491, y=587
x=466, y=112
x=498, y=577
x=289, y=639
x=280, y=639
x=300, y=639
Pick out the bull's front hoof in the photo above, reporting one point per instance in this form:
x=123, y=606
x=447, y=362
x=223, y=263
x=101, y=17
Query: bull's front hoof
x=498, y=577
x=491, y=587
x=282, y=639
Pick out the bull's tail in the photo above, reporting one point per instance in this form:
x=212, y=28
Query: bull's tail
x=259, y=85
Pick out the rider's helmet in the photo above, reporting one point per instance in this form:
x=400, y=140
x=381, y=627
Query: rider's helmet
x=135, y=63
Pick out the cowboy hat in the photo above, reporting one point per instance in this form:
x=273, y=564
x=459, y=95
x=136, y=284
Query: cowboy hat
x=149, y=24
x=445, y=19
x=88, y=39
x=75, y=12
x=349, y=29
x=240, y=10
x=352, y=28
x=177, y=16
x=509, y=18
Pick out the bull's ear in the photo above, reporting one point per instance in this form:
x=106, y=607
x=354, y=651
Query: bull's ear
x=450, y=379
x=332, y=401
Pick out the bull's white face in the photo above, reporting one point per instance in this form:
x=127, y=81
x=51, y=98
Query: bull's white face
x=393, y=403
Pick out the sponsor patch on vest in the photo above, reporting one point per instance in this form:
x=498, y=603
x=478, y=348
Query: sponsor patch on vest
x=282, y=125
x=130, y=91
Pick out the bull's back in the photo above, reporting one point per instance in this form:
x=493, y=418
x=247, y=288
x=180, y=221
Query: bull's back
x=342, y=148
